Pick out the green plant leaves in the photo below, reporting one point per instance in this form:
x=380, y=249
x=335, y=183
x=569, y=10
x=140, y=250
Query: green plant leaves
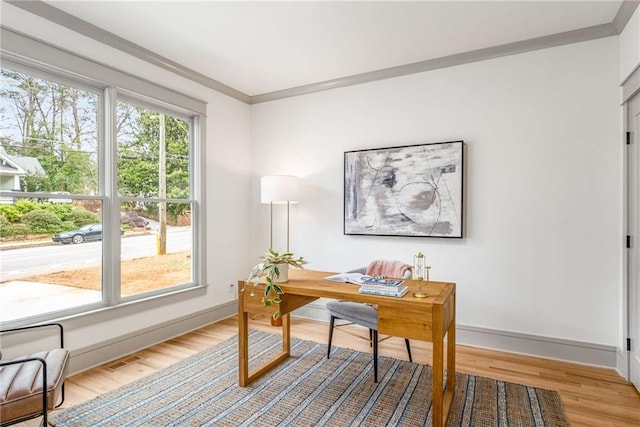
x=269, y=267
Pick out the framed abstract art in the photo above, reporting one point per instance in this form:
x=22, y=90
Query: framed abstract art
x=412, y=190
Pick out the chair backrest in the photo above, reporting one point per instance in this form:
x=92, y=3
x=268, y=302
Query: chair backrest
x=389, y=268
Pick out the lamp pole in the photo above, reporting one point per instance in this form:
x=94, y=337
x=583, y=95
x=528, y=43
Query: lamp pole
x=288, y=204
x=271, y=225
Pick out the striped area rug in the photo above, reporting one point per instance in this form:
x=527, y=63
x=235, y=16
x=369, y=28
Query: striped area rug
x=307, y=390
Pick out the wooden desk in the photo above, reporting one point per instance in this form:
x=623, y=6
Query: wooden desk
x=426, y=319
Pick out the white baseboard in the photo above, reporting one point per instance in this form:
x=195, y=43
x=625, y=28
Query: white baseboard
x=622, y=363
x=533, y=345
x=98, y=354
x=512, y=342
x=314, y=311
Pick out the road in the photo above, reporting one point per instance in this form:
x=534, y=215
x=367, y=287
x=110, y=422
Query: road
x=18, y=263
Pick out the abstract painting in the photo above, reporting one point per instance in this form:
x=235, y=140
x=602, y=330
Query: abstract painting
x=413, y=190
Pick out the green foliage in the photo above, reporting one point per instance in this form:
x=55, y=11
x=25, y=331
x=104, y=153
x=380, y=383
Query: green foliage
x=42, y=221
x=81, y=216
x=269, y=267
x=25, y=206
x=5, y=226
x=58, y=125
x=139, y=154
x=14, y=212
x=62, y=210
x=10, y=213
x=175, y=210
x=68, y=225
x=18, y=230
x=26, y=217
x=34, y=183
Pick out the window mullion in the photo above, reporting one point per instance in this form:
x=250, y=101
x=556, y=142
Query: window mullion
x=197, y=165
x=111, y=239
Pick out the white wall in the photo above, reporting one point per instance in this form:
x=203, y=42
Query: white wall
x=630, y=46
x=227, y=188
x=542, y=247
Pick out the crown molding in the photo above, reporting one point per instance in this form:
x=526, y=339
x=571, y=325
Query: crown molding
x=46, y=11
x=575, y=36
x=624, y=14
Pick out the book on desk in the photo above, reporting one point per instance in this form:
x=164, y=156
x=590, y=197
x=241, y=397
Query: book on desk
x=381, y=282
x=372, y=285
x=383, y=287
x=355, y=278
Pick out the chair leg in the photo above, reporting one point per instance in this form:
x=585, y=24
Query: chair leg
x=331, y=323
x=375, y=356
x=370, y=337
x=406, y=341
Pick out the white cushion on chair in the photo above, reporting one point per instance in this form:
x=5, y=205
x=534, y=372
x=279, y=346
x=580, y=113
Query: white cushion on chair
x=356, y=312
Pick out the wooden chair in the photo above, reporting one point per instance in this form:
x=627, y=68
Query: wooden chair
x=31, y=385
x=364, y=315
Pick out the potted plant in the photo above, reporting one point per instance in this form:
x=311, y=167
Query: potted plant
x=275, y=266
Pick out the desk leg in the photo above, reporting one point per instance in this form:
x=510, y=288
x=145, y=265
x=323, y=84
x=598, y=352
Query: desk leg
x=451, y=368
x=244, y=376
x=243, y=346
x=286, y=334
x=437, y=396
x=442, y=398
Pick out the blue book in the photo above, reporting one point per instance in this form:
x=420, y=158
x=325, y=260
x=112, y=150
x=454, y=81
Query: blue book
x=388, y=293
x=379, y=281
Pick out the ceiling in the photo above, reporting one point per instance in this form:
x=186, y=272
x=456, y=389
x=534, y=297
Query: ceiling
x=262, y=47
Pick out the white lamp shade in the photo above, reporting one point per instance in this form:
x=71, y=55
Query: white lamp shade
x=279, y=189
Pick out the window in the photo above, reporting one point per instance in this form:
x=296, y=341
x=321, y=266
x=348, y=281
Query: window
x=48, y=135
x=154, y=180
x=89, y=218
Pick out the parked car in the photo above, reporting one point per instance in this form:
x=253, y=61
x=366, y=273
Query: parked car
x=83, y=234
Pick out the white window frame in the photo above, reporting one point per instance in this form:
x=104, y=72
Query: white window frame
x=183, y=115
x=25, y=54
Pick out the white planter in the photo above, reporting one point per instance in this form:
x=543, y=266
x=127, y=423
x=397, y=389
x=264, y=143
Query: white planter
x=284, y=273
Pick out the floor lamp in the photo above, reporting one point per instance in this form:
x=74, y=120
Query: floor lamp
x=279, y=190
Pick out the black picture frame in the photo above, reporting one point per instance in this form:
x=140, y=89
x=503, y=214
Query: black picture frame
x=410, y=190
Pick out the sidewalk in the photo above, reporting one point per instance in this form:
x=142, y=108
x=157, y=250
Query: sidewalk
x=20, y=299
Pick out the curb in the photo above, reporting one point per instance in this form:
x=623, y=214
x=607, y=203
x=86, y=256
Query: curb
x=23, y=245
x=9, y=246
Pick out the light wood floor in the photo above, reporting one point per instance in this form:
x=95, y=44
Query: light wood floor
x=591, y=396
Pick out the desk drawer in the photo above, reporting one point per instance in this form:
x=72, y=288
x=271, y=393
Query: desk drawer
x=406, y=322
